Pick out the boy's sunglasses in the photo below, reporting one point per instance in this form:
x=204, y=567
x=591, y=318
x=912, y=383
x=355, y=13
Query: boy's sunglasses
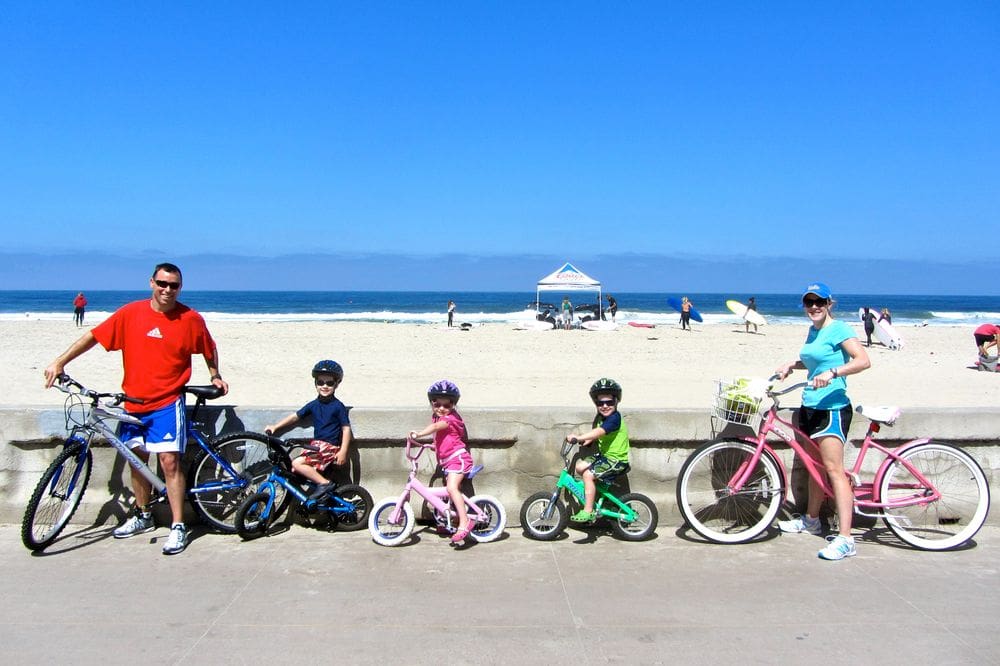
x=814, y=302
x=605, y=403
x=163, y=284
x=327, y=382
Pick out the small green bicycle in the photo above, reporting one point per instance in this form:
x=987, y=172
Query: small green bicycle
x=544, y=516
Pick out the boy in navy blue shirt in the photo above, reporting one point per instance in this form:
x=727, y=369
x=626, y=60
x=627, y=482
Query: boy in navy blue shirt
x=331, y=428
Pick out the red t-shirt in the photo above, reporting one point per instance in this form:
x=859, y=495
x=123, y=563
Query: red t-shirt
x=156, y=350
x=80, y=302
x=987, y=329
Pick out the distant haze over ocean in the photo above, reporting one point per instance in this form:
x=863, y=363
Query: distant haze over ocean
x=727, y=273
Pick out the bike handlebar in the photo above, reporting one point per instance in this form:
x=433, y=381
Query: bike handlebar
x=66, y=384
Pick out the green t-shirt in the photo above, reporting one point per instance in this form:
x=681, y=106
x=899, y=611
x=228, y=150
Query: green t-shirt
x=614, y=445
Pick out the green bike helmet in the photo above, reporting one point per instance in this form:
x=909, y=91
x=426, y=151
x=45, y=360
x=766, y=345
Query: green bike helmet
x=605, y=385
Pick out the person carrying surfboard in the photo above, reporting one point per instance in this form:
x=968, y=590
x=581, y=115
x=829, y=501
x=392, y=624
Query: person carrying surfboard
x=686, y=306
x=868, y=319
x=751, y=305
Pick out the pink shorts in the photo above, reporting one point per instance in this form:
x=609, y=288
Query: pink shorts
x=459, y=462
x=320, y=459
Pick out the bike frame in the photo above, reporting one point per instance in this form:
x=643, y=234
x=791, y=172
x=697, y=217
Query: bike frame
x=866, y=495
x=436, y=497
x=575, y=486
x=96, y=425
x=279, y=477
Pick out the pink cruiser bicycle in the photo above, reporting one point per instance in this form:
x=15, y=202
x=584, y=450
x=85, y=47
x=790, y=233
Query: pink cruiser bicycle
x=391, y=521
x=930, y=494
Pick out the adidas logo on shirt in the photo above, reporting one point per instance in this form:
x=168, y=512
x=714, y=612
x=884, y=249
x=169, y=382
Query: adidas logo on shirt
x=155, y=333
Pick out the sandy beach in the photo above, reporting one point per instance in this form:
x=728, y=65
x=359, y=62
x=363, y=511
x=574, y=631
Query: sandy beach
x=390, y=365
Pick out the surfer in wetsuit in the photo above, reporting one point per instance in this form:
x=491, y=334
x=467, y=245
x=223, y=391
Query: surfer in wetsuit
x=868, y=318
x=612, y=306
x=686, y=306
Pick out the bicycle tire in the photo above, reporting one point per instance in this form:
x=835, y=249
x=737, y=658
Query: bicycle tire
x=253, y=517
x=215, y=494
x=718, y=515
x=646, y=518
x=949, y=521
x=496, y=519
x=352, y=521
x=50, y=508
x=535, y=526
x=385, y=533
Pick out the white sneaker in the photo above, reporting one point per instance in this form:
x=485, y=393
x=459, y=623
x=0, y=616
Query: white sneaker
x=838, y=548
x=137, y=524
x=801, y=524
x=177, y=540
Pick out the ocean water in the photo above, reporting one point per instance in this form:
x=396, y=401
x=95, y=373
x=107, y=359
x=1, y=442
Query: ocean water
x=490, y=307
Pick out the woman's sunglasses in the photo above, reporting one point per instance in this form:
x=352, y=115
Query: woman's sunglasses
x=814, y=302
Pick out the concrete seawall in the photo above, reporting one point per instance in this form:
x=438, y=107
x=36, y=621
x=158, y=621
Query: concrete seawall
x=519, y=449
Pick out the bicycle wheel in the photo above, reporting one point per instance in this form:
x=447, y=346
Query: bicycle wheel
x=955, y=516
x=215, y=493
x=715, y=512
x=385, y=533
x=490, y=529
x=646, y=518
x=350, y=521
x=56, y=496
x=253, y=517
x=533, y=520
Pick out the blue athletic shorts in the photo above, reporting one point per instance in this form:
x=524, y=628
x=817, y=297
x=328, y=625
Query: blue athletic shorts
x=819, y=423
x=163, y=430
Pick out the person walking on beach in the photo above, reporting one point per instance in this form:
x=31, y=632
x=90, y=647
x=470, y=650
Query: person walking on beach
x=612, y=306
x=885, y=316
x=831, y=352
x=751, y=305
x=157, y=337
x=868, y=319
x=566, y=316
x=987, y=335
x=79, y=306
x=451, y=313
x=686, y=306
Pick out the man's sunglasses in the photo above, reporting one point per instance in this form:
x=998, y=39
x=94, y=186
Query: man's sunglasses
x=814, y=302
x=163, y=284
x=327, y=382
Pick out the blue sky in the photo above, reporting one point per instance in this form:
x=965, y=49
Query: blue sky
x=708, y=132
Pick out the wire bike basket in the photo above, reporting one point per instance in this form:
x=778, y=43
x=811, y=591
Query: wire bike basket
x=738, y=399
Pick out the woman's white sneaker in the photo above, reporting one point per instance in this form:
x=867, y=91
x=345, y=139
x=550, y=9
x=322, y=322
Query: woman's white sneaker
x=838, y=548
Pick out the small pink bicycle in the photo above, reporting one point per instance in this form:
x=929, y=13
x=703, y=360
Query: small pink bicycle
x=391, y=521
x=931, y=495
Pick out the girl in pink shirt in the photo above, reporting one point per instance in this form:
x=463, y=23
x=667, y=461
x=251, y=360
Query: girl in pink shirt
x=451, y=446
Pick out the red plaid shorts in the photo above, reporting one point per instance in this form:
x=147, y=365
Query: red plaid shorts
x=320, y=459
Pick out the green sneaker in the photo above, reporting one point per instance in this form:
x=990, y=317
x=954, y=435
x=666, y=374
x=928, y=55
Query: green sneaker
x=582, y=516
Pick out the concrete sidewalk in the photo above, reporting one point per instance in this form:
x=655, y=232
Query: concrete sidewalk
x=311, y=598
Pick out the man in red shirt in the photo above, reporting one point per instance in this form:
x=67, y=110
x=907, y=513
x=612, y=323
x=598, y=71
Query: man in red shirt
x=157, y=338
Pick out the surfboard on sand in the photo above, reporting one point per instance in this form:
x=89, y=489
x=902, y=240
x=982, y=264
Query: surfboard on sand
x=675, y=303
x=639, y=324
x=598, y=325
x=534, y=325
x=740, y=310
x=884, y=331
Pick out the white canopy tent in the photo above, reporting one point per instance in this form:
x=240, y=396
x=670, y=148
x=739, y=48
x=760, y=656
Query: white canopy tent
x=567, y=278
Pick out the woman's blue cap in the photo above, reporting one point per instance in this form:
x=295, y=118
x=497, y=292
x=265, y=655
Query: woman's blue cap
x=819, y=289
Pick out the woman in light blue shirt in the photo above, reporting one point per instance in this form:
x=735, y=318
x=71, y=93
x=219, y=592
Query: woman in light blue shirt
x=831, y=352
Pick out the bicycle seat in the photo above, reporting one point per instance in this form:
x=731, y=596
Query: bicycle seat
x=885, y=415
x=210, y=392
x=475, y=470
